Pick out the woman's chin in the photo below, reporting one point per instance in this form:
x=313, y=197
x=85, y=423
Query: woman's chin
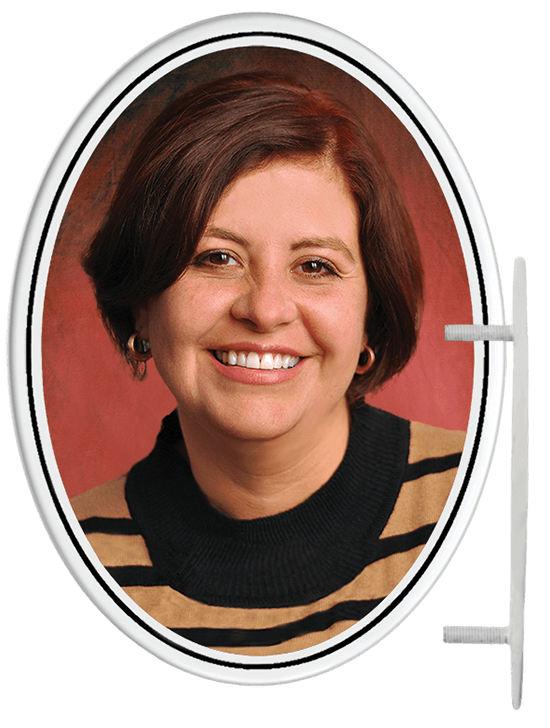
x=263, y=414
x=274, y=420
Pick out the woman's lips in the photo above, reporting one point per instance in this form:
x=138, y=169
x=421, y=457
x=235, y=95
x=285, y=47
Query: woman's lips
x=266, y=361
x=252, y=371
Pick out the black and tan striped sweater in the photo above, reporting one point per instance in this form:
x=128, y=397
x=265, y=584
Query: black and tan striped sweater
x=286, y=582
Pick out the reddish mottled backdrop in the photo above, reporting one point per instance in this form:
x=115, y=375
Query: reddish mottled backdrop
x=101, y=421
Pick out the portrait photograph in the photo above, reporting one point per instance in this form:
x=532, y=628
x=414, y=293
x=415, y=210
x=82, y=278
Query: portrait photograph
x=244, y=315
x=258, y=450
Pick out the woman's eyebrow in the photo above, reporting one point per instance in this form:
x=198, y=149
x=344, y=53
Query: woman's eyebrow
x=330, y=242
x=313, y=242
x=223, y=234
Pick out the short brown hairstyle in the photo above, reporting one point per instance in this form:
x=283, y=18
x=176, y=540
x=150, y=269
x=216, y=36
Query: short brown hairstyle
x=206, y=139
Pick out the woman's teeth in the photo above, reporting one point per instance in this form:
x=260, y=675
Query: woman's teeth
x=253, y=360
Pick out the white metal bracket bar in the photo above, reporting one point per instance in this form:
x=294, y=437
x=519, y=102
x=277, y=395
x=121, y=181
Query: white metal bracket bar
x=513, y=634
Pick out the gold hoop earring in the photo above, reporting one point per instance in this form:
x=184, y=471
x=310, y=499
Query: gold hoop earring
x=366, y=360
x=138, y=349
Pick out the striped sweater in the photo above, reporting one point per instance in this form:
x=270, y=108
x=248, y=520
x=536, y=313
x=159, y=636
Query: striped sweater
x=274, y=585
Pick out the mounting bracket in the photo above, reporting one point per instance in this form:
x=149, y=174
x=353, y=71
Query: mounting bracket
x=513, y=634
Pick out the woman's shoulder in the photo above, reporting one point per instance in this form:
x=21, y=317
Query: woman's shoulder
x=429, y=441
x=423, y=441
x=104, y=501
x=105, y=519
x=434, y=457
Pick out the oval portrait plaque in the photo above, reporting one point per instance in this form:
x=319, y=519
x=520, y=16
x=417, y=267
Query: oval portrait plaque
x=242, y=424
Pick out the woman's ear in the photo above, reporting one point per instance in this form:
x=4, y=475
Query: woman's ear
x=141, y=319
x=138, y=347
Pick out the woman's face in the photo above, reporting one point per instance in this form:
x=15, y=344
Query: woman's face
x=262, y=334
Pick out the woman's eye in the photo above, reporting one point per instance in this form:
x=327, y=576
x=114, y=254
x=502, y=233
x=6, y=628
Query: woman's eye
x=317, y=268
x=217, y=259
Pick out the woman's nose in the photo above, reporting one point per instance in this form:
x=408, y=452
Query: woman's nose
x=265, y=303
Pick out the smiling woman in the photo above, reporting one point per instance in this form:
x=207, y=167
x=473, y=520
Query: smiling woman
x=259, y=251
x=288, y=361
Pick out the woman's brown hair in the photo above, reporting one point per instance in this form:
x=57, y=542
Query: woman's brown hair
x=206, y=139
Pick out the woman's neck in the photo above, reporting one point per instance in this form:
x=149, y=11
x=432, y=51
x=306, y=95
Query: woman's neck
x=252, y=479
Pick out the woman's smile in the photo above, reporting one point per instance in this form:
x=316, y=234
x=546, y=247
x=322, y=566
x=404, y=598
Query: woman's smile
x=275, y=295
x=256, y=368
x=254, y=360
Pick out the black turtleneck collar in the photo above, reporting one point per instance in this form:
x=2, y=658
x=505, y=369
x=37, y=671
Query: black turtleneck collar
x=291, y=558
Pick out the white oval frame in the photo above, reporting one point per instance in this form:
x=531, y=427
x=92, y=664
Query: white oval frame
x=25, y=342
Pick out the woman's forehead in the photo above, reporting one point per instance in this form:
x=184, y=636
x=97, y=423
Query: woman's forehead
x=300, y=198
